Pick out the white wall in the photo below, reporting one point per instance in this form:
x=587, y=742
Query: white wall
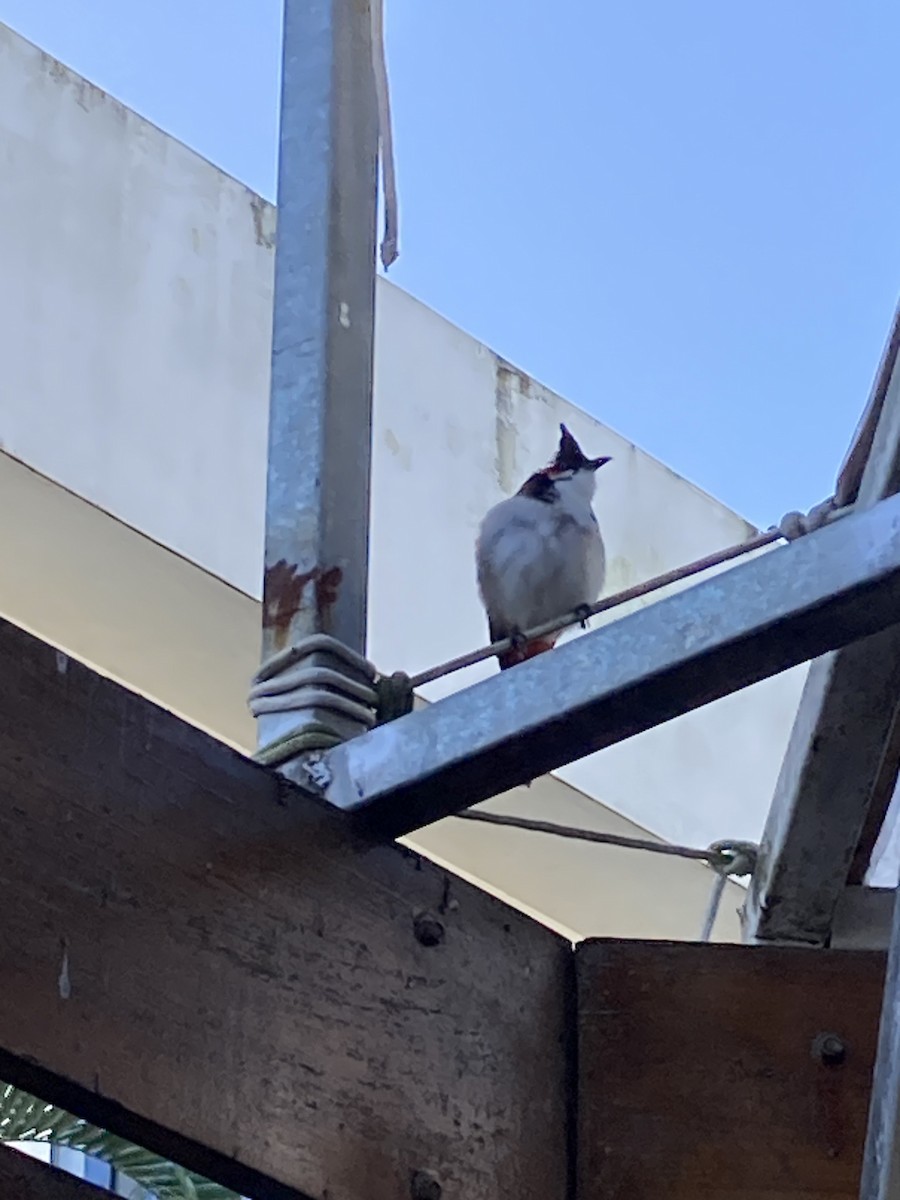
x=174, y=633
x=136, y=296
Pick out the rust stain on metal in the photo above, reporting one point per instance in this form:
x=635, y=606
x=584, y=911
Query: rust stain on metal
x=327, y=585
x=282, y=596
x=285, y=591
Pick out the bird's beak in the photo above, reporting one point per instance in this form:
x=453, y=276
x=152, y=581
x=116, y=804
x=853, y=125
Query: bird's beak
x=597, y=463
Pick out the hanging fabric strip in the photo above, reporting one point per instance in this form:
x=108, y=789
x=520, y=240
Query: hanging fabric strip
x=389, y=247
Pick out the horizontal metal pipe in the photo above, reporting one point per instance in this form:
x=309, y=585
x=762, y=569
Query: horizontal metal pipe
x=822, y=591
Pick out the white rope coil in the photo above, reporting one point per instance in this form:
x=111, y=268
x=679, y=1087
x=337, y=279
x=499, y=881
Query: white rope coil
x=288, y=682
x=796, y=524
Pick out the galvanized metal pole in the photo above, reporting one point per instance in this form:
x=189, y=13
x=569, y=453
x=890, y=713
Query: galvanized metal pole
x=317, y=507
x=881, y=1161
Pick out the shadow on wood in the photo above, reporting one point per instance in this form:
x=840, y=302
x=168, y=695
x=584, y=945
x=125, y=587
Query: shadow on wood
x=704, y=1074
x=199, y=958
x=26, y=1178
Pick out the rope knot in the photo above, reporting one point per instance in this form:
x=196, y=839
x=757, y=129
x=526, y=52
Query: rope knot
x=729, y=858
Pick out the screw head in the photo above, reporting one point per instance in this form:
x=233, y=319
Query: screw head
x=425, y=1185
x=829, y=1049
x=428, y=929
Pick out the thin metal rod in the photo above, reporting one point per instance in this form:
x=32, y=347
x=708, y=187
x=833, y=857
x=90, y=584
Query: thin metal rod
x=855, y=461
x=630, y=593
x=317, y=503
x=712, y=909
x=881, y=1158
x=820, y=591
x=593, y=835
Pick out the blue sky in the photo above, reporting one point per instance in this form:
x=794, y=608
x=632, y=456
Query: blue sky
x=681, y=216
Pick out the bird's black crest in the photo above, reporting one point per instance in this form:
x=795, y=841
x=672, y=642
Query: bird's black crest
x=570, y=457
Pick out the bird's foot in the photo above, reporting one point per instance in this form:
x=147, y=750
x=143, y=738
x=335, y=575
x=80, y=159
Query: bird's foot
x=584, y=614
x=516, y=639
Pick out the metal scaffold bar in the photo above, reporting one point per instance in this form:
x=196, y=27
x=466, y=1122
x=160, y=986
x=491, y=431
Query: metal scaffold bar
x=317, y=506
x=822, y=591
x=881, y=1161
x=840, y=765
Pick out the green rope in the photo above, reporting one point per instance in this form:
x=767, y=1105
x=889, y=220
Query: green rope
x=303, y=741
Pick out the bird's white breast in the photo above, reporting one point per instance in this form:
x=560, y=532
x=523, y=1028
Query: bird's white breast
x=539, y=560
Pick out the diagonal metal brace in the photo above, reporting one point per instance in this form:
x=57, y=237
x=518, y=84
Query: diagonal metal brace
x=758, y=619
x=840, y=764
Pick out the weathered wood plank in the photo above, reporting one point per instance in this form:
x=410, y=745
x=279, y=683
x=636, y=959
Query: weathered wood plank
x=195, y=956
x=26, y=1178
x=700, y=1077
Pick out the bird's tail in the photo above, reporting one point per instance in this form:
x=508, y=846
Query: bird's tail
x=518, y=654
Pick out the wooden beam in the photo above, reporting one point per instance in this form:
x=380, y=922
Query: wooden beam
x=26, y=1178
x=199, y=958
x=724, y=1072
x=840, y=754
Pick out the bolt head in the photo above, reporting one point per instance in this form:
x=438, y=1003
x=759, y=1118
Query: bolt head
x=428, y=929
x=829, y=1049
x=425, y=1185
